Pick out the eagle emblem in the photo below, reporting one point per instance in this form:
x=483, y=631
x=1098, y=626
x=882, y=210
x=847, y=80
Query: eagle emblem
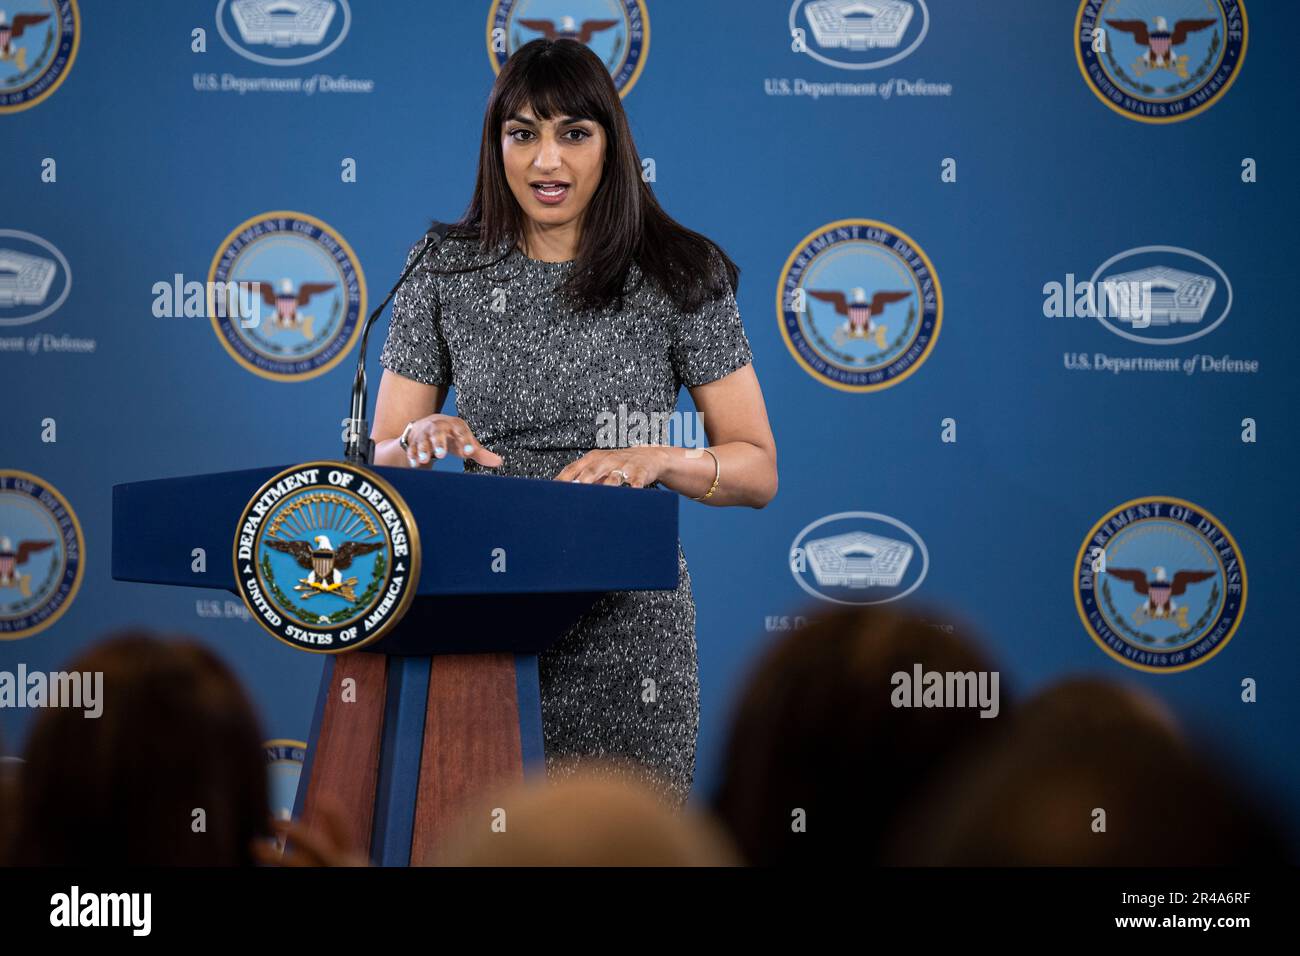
x=1159, y=43
x=859, y=313
x=10, y=31
x=12, y=558
x=287, y=302
x=568, y=28
x=1160, y=593
x=325, y=564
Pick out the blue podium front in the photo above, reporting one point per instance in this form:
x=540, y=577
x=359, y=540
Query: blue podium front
x=413, y=728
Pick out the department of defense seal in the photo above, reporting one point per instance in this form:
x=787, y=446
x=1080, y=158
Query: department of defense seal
x=859, y=305
x=1160, y=584
x=617, y=31
x=327, y=556
x=1160, y=64
x=284, y=762
x=42, y=554
x=38, y=45
x=310, y=299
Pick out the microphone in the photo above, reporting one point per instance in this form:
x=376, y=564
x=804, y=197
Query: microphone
x=358, y=446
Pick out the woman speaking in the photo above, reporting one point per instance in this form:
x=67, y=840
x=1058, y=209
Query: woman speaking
x=565, y=295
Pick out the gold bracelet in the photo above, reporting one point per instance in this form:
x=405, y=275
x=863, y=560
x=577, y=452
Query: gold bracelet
x=717, y=473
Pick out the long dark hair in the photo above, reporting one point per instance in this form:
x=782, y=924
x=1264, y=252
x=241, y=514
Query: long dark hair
x=624, y=223
x=177, y=733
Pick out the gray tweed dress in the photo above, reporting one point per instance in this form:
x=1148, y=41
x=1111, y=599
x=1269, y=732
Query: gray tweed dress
x=532, y=377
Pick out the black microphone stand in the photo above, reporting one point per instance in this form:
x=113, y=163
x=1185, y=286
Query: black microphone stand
x=358, y=446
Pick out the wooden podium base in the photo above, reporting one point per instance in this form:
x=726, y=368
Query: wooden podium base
x=408, y=745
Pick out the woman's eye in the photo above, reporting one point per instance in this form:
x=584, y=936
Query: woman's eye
x=522, y=135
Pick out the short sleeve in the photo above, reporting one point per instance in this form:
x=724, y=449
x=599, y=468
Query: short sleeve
x=710, y=343
x=415, y=347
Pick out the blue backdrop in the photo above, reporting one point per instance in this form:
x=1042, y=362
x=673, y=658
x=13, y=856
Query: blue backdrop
x=987, y=142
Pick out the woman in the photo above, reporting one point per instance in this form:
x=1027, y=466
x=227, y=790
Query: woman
x=565, y=295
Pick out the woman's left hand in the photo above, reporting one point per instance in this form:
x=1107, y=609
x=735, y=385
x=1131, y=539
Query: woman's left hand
x=643, y=465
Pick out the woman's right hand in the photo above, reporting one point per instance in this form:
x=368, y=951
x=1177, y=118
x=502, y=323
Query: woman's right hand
x=437, y=436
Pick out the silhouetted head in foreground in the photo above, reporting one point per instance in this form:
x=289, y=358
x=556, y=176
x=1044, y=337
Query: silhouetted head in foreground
x=586, y=818
x=844, y=721
x=177, y=749
x=1089, y=773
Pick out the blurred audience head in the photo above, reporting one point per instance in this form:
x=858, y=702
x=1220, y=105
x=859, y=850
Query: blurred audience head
x=591, y=816
x=1089, y=773
x=177, y=744
x=828, y=745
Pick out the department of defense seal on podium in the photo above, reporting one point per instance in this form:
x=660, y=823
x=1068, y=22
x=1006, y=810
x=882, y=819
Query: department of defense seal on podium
x=327, y=556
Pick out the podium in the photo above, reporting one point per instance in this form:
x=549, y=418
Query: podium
x=410, y=731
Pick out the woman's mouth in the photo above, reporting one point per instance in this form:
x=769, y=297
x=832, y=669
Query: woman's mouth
x=550, y=191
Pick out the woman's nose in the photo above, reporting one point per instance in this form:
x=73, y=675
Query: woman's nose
x=548, y=155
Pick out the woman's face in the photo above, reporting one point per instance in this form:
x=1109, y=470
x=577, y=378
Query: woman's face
x=553, y=166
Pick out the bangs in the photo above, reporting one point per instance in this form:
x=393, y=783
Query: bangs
x=552, y=91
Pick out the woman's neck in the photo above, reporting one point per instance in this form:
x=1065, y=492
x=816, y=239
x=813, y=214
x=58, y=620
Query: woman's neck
x=551, y=243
